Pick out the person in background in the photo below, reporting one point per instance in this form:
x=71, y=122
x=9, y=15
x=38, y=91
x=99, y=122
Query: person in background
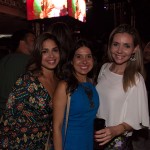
x=121, y=85
x=146, y=56
x=64, y=36
x=84, y=101
x=141, y=138
x=13, y=65
x=146, y=53
x=26, y=122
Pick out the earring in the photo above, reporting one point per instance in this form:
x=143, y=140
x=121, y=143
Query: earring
x=132, y=58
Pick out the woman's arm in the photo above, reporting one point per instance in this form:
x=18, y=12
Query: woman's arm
x=59, y=105
x=13, y=112
x=105, y=135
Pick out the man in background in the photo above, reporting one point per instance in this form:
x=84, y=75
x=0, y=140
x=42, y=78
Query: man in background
x=13, y=65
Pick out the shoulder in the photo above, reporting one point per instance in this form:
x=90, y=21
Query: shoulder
x=62, y=84
x=14, y=60
x=27, y=75
x=106, y=65
x=15, y=56
x=26, y=78
x=60, y=91
x=5, y=59
x=61, y=87
x=139, y=78
x=139, y=83
x=103, y=68
x=22, y=58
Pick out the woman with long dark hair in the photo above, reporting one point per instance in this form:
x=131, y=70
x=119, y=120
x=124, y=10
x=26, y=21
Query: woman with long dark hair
x=26, y=122
x=79, y=84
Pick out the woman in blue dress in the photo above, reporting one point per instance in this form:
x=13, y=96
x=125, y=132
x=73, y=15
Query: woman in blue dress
x=84, y=101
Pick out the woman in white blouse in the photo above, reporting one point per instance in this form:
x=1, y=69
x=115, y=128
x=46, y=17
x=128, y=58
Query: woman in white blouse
x=123, y=96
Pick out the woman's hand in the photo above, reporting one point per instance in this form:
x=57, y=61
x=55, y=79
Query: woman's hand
x=105, y=135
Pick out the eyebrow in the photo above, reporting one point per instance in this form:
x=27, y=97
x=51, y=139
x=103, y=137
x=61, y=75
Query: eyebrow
x=123, y=43
x=83, y=54
x=56, y=47
x=45, y=48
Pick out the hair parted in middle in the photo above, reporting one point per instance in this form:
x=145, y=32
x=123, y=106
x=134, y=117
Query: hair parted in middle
x=69, y=72
x=34, y=64
x=133, y=67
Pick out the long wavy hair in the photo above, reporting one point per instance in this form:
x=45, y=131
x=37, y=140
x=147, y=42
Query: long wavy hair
x=133, y=68
x=64, y=35
x=69, y=72
x=34, y=64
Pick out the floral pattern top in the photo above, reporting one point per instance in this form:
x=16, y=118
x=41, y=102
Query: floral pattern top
x=26, y=121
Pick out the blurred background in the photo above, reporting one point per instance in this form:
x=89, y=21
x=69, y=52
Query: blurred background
x=101, y=17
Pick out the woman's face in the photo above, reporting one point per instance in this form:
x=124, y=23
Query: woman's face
x=82, y=61
x=50, y=54
x=122, y=48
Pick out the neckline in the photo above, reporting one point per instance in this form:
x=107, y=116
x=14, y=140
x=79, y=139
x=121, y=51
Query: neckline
x=113, y=73
x=85, y=83
x=89, y=92
x=37, y=80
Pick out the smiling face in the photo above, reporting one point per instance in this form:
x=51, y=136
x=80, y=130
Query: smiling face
x=82, y=62
x=50, y=54
x=122, y=48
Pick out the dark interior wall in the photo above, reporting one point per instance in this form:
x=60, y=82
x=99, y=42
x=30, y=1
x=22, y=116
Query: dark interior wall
x=142, y=20
x=99, y=20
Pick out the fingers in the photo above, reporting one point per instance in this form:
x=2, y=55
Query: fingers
x=103, y=143
x=103, y=136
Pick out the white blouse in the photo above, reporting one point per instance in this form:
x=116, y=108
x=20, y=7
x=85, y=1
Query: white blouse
x=117, y=106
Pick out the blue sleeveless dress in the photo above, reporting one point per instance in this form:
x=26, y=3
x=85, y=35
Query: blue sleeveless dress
x=79, y=135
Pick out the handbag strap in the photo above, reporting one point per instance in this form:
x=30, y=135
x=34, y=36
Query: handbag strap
x=47, y=142
x=67, y=116
x=67, y=112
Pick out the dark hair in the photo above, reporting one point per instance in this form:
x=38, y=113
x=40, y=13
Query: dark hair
x=68, y=68
x=17, y=36
x=35, y=61
x=64, y=35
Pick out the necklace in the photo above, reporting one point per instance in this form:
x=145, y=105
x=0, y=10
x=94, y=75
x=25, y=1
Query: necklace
x=89, y=94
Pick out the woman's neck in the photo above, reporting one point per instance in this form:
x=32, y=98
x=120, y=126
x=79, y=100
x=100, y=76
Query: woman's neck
x=49, y=74
x=81, y=78
x=49, y=81
x=118, y=69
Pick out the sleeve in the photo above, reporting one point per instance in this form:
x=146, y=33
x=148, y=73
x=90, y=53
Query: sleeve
x=13, y=112
x=99, y=76
x=135, y=110
x=102, y=70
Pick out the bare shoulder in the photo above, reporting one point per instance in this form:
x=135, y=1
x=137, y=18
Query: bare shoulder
x=61, y=87
x=62, y=84
x=60, y=95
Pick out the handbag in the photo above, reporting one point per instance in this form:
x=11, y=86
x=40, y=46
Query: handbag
x=48, y=146
x=120, y=143
x=67, y=113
